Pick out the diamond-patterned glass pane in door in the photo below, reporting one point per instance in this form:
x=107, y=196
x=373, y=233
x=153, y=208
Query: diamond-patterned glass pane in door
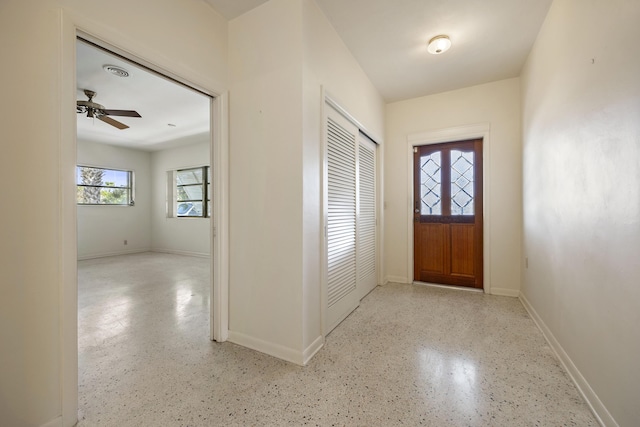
x=431, y=184
x=462, y=197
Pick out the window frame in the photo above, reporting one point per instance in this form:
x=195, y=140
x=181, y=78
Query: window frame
x=130, y=186
x=206, y=197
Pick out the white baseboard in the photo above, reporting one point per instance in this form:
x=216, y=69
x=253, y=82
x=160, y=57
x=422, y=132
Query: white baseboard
x=272, y=349
x=57, y=422
x=396, y=279
x=593, y=401
x=505, y=292
x=311, y=351
x=185, y=253
x=108, y=254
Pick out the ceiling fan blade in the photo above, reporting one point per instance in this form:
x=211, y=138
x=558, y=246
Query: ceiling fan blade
x=112, y=122
x=125, y=113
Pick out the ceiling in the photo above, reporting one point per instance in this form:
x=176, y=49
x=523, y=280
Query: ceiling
x=233, y=8
x=158, y=100
x=490, y=41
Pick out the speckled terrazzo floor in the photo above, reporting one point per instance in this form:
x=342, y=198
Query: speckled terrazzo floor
x=410, y=355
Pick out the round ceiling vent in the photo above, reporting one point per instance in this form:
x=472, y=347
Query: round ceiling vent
x=115, y=70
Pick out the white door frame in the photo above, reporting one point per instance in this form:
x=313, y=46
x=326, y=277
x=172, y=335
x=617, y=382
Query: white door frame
x=74, y=25
x=438, y=136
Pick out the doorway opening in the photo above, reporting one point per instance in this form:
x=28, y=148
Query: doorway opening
x=145, y=195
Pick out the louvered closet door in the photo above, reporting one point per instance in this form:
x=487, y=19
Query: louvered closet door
x=340, y=196
x=366, y=230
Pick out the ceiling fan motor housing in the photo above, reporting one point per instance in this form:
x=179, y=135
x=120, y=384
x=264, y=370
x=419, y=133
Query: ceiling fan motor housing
x=93, y=109
x=88, y=107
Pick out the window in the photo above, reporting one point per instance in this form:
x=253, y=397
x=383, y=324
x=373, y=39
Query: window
x=447, y=191
x=462, y=182
x=98, y=186
x=193, y=189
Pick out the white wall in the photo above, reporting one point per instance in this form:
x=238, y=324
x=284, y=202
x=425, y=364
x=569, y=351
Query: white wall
x=328, y=64
x=581, y=136
x=280, y=55
x=495, y=103
x=187, y=236
x=103, y=229
x=265, y=101
x=37, y=241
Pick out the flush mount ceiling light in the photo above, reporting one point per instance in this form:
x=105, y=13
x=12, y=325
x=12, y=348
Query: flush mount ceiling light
x=115, y=70
x=439, y=44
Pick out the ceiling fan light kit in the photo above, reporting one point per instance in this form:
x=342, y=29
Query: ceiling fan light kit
x=93, y=109
x=439, y=44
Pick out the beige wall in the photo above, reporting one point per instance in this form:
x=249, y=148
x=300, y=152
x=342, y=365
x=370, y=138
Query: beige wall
x=145, y=226
x=328, y=64
x=37, y=239
x=281, y=53
x=103, y=229
x=497, y=104
x=581, y=136
x=265, y=102
x=187, y=236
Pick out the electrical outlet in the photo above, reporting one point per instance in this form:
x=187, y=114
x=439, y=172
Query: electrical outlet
x=125, y=243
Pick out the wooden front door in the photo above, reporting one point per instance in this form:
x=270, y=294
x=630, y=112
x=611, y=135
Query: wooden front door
x=447, y=218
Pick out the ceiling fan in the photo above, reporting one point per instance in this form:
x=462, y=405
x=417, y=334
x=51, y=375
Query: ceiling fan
x=98, y=111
